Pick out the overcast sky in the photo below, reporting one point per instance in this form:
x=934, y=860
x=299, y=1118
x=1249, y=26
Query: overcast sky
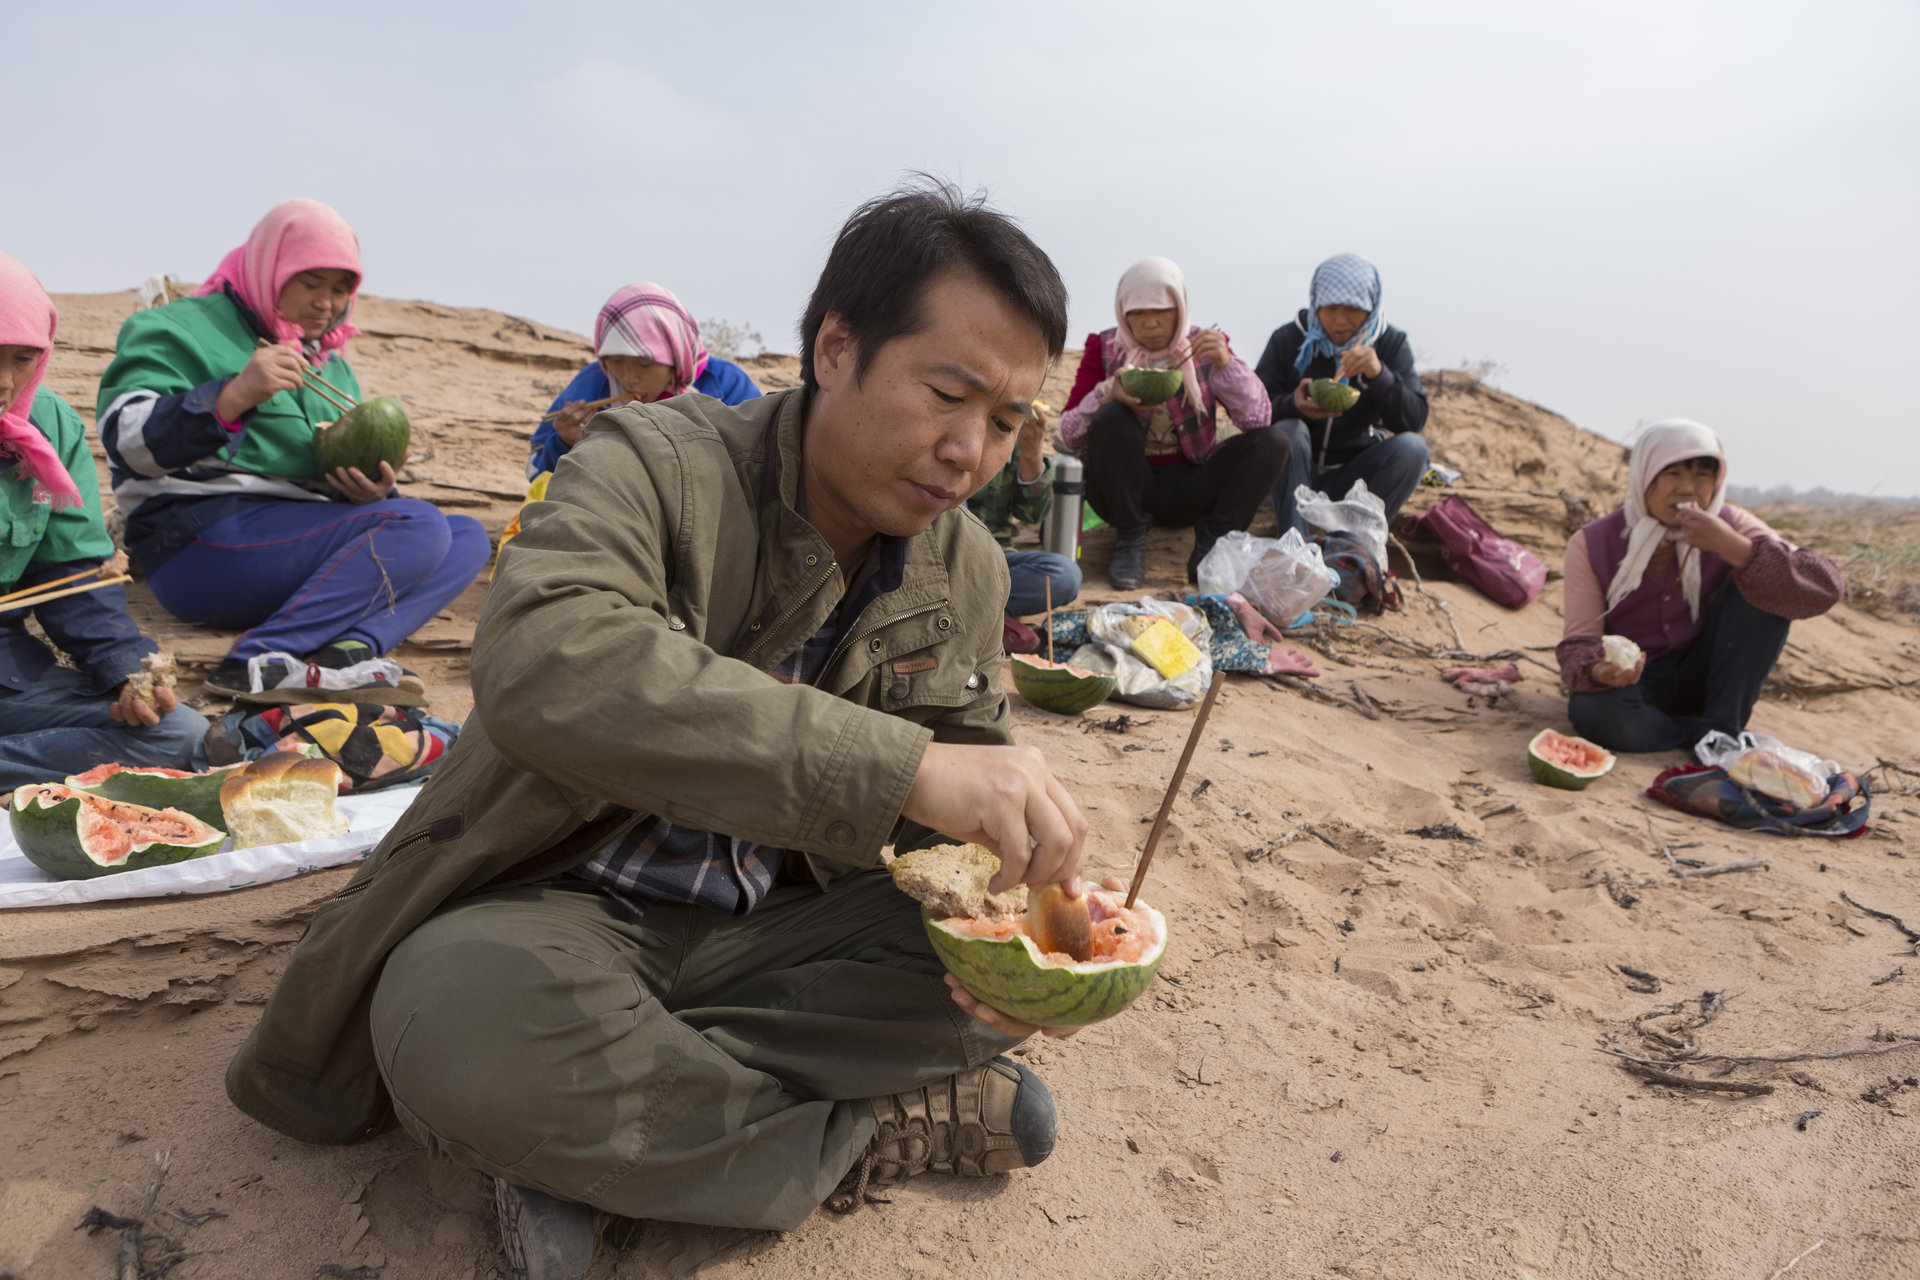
x=1636, y=210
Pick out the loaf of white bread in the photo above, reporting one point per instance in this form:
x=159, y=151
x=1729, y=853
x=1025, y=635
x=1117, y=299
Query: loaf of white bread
x=1774, y=774
x=280, y=799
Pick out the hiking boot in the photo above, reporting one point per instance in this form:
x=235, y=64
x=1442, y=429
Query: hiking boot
x=1017, y=637
x=1128, y=569
x=543, y=1236
x=991, y=1119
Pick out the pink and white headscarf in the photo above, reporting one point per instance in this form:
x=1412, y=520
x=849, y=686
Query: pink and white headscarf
x=1153, y=284
x=644, y=319
x=295, y=236
x=28, y=319
x=1660, y=446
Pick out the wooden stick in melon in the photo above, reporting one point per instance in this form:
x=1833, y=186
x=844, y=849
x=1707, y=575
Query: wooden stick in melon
x=1173, y=788
x=1049, y=582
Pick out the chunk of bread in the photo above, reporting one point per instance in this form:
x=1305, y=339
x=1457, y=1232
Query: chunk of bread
x=951, y=880
x=281, y=799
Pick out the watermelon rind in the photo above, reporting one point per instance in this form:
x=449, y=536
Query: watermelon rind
x=1558, y=775
x=1151, y=386
x=45, y=822
x=194, y=793
x=1057, y=687
x=1014, y=977
x=375, y=432
x=1333, y=395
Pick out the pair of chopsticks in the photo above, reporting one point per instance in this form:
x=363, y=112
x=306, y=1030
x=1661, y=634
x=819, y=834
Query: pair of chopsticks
x=1187, y=354
x=590, y=404
x=325, y=390
x=41, y=592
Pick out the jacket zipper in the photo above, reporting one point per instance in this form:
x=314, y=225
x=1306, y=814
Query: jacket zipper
x=832, y=566
x=884, y=623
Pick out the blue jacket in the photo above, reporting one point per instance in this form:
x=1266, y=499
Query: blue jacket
x=724, y=380
x=92, y=627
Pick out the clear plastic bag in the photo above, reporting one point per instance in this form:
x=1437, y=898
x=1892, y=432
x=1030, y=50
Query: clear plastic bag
x=1289, y=579
x=1769, y=766
x=1226, y=566
x=1361, y=515
x=1125, y=644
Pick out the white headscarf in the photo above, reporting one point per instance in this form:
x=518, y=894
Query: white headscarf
x=1659, y=447
x=1153, y=284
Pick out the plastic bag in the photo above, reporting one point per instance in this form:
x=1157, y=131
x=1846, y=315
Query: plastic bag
x=1769, y=766
x=1124, y=642
x=1283, y=577
x=1360, y=515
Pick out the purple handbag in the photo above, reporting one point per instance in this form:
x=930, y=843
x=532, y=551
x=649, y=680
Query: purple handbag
x=1501, y=567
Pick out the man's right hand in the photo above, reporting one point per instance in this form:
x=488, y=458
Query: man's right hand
x=572, y=421
x=1612, y=677
x=268, y=370
x=1008, y=800
x=1305, y=404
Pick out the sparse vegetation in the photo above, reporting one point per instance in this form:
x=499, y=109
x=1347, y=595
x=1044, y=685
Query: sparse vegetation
x=1876, y=543
x=730, y=341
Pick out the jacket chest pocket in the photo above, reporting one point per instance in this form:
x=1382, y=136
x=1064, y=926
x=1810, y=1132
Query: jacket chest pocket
x=29, y=526
x=936, y=678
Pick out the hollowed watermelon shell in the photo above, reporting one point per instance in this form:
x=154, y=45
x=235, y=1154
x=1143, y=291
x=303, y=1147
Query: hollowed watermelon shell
x=1333, y=395
x=194, y=793
x=1151, y=386
x=365, y=437
x=1015, y=977
x=78, y=836
x=1567, y=762
x=1058, y=687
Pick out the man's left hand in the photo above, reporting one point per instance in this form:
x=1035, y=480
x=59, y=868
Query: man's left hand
x=129, y=710
x=1006, y=1024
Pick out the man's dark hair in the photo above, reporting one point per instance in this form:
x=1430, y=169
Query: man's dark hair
x=892, y=247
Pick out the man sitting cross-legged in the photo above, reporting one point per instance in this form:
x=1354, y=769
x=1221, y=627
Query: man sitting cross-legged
x=631, y=950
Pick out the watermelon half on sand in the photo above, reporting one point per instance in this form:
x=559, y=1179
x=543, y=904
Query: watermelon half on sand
x=998, y=961
x=78, y=836
x=193, y=793
x=375, y=432
x=1055, y=686
x=1567, y=762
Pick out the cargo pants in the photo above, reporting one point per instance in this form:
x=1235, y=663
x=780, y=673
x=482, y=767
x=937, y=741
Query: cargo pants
x=686, y=1066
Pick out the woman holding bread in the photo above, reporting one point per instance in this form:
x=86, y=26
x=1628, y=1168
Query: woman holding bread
x=1702, y=589
x=1160, y=462
x=208, y=413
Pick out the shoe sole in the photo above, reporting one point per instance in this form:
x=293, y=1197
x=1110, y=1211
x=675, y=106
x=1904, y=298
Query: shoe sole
x=290, y=697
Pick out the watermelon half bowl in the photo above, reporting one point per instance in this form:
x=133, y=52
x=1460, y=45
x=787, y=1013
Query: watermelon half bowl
x=1001, y=965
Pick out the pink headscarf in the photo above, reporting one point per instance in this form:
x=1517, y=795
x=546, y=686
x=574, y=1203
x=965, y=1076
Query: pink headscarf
x=645, y=319
x=1150, y=285
x=28, y=319
x=295, y=236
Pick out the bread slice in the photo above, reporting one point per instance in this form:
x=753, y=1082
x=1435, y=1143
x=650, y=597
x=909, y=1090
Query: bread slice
x=951, y=880
x=281, y=799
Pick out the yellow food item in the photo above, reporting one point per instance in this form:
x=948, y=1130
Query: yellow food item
x=1161, y=644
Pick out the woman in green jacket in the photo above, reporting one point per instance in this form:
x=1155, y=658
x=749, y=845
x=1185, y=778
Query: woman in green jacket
x=208, y=415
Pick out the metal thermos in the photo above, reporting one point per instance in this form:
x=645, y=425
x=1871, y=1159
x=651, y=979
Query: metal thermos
x=1061, y=533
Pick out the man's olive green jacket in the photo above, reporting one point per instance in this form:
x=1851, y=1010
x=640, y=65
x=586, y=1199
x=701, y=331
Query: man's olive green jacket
x=619, y=671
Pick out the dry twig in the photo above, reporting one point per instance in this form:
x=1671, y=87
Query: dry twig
x=1912, y=935
x=1757, y=864
x=1420, y=585
x=1646, y=1071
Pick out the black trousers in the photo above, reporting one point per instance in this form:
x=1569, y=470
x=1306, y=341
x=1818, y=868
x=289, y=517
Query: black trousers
x=1215, y=497
x=1712, y=685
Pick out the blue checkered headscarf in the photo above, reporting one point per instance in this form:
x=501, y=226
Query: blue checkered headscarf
x=1346, y=280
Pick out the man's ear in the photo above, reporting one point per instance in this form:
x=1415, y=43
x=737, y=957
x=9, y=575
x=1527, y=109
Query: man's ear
x=835, y=352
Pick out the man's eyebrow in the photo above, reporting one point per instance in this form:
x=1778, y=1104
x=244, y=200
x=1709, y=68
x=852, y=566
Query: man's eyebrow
x=972, y=381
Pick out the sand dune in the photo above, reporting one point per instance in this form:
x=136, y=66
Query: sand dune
x=1374, y=1051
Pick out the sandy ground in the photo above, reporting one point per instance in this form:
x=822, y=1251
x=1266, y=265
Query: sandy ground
x=1374, y=1051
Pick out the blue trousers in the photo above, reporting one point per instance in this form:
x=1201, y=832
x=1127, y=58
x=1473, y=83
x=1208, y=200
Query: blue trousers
x=1031, y=572
x=1392, y=469
x=1712, y=684
x=298, y=575
x=59, y=726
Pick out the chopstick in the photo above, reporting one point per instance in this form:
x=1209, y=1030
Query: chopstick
x=29, y=600
x=38, y=587
x=321, y=387
x=589, y=404
x=1173, y=788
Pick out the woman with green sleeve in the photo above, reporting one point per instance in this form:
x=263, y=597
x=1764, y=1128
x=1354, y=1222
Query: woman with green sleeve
x=57, y=720
x=207, y=415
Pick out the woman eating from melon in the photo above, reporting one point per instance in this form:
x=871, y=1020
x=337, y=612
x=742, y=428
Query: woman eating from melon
x=1369, y=427
x=1161, y=462
x=208, y=414
x=1704, y=591
x=59, y=720
x=646, y=347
